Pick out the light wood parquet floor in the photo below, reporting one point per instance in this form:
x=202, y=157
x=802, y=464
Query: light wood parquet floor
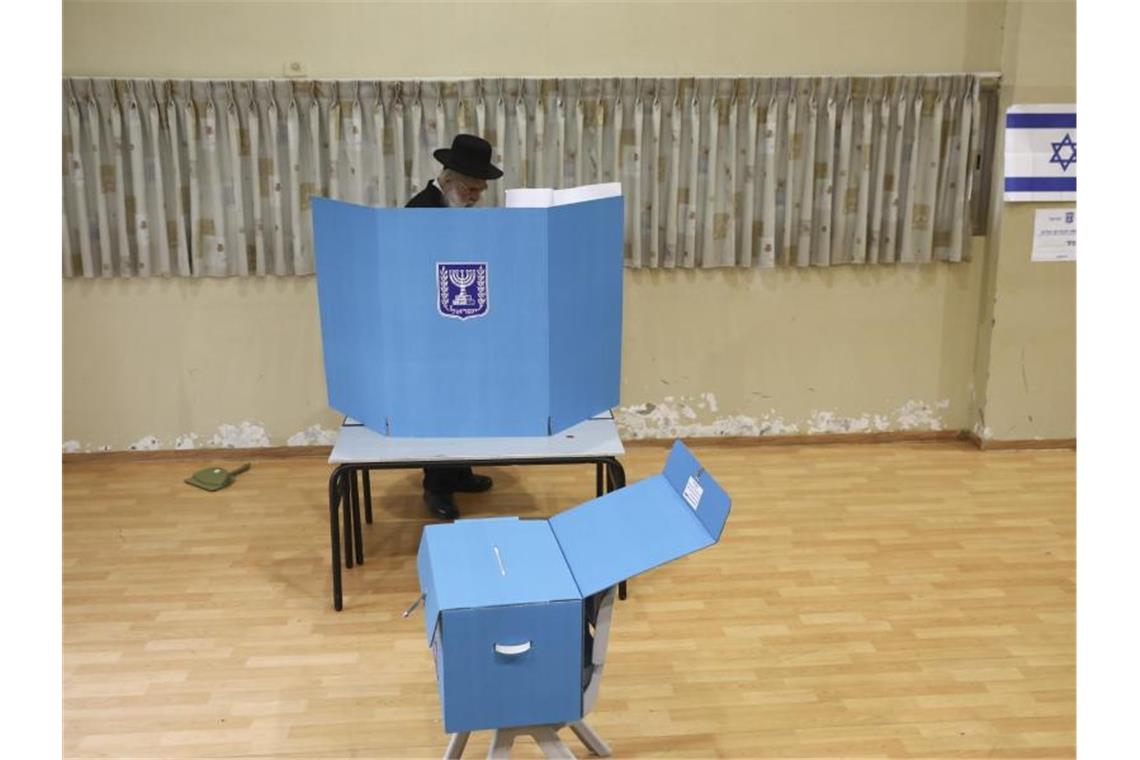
x=892, y=600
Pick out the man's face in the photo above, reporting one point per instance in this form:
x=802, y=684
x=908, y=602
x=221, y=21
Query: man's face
x=461, y=190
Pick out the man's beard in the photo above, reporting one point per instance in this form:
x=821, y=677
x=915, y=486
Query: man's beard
x=453, y=199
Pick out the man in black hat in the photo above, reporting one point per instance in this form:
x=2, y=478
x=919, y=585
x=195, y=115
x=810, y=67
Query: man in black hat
x=466, y=168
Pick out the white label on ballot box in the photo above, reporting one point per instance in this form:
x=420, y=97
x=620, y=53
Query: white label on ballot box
x=693, y=492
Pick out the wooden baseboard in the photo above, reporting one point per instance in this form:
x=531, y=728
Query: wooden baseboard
x=267, y=452
x=899, y=436
x=998, y=444
x=290, y=452
x=902, y=436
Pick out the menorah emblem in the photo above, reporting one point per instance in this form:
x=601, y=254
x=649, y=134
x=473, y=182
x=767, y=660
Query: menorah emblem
x=462, y=288
x=462, y=279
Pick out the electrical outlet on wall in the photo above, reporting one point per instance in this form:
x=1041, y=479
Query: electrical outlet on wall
x=296, y=69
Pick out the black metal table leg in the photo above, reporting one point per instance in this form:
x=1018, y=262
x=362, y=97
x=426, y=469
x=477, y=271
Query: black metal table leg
x=357, y=534
x=334, y=534
x=615, y=479
x=345, y=498
x=367, y=495
x=618, y=474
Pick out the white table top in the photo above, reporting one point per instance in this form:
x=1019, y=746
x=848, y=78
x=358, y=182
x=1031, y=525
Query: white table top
x=595, y=437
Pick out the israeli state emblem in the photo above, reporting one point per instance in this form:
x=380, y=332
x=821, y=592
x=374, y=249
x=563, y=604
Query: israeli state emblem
x=463, y=289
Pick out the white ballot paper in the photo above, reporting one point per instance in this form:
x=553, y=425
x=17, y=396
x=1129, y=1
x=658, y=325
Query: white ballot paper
x=1055, y=235
x=544, y=197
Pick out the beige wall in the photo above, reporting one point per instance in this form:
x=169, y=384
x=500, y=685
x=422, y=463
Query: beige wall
x=176, y=363
x=1026, y=367
x=154, y=363
x=543, y=38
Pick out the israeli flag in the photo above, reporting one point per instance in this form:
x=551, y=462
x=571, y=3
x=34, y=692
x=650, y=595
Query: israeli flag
x=1041, y=153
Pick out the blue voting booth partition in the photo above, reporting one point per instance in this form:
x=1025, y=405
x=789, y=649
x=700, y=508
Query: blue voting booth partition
x=448, y=322
x=504, y=598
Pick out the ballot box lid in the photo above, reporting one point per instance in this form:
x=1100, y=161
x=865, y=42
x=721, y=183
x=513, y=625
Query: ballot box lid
x=644, y=525
x=489, y=563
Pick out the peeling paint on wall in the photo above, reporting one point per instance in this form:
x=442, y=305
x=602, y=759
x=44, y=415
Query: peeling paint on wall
x=678, y=418
x=244, y=436
x=146, y=443
x=682, y=417
x=772, y=424
x=673, y=417
x=918, y=415
x=188, y=441
x=828, y=422
x=314, y=435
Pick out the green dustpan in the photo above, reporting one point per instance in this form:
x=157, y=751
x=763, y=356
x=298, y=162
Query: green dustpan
x=215, y=478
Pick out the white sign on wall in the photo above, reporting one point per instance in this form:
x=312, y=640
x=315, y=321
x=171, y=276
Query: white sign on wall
x=1041, y=152
x=1055, y=235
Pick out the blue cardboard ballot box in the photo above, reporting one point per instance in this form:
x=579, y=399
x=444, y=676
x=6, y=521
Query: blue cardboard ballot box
x=505, y=599
x=452, y=322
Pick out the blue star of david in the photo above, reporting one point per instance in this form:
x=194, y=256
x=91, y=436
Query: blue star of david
x=1066, y=142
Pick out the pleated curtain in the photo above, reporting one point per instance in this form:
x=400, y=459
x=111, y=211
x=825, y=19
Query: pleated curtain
x=214, y=178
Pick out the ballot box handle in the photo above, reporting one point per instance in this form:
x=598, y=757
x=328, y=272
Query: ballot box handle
x=513, y=650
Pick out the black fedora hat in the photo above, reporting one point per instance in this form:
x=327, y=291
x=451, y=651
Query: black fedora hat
x=469, y=155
